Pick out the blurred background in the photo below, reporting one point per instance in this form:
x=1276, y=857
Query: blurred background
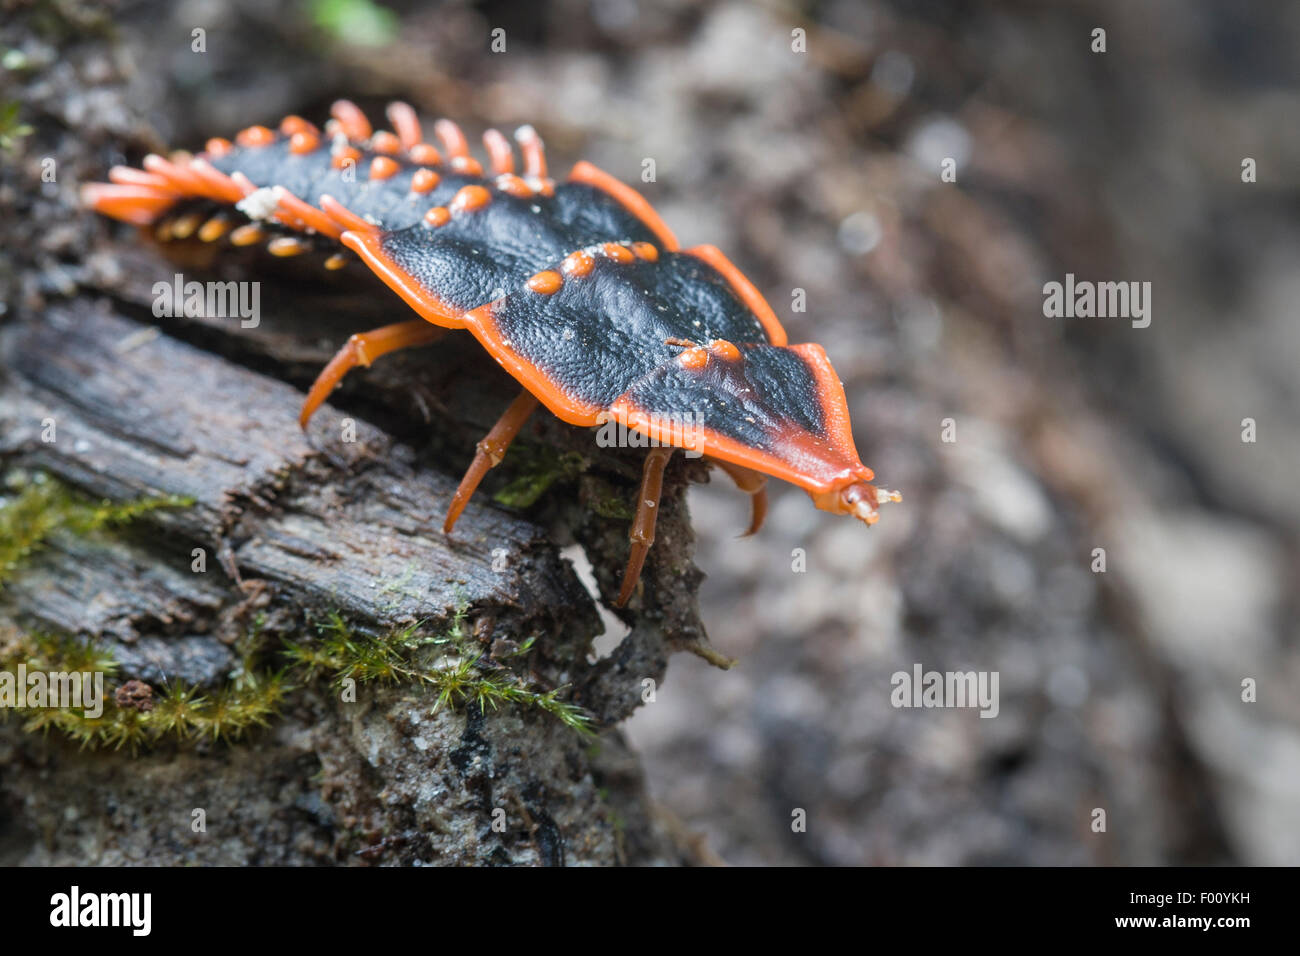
x=807, y=141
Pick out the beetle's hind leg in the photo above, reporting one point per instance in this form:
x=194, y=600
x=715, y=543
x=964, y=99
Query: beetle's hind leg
x=490, y=451
x=753, y=484
x=642, y=534
x=362, y=349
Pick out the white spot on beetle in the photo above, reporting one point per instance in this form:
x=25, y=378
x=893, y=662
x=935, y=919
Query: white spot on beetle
x=259, y=204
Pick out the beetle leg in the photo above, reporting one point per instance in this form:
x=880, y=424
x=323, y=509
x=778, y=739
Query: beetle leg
x=642, y=534
x=490, y=451
x=362, y=349
x=754, y=484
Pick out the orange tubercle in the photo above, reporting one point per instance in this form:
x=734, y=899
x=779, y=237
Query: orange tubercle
x=341, y=157
x=425, y=154
x=302, y=142
x=386, y=143
x=617, y=252
x=424, y=180
x=469, y=198
x=724, y=350
x=546, y=283
x=694, y=358
x=498, y=147
x=512, y=185
x=255, y=136
x=453, y=140
x=467, y=165
x=382, y=167
x=530, y=144
x=405, y=122
x=351, y=120
x=578, y=264
x=296, y=124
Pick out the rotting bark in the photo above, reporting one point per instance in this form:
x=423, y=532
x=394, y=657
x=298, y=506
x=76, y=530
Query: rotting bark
x=294, y=527
x=293, y=533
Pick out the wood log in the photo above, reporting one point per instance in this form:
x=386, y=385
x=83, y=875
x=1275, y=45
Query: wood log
x=283, y=530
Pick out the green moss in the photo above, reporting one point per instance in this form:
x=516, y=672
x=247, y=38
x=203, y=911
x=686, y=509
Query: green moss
x=399, y=587
x=536, y=468
x=451, y=663
x=36, y=506
x=180, y=714
x=606, y=500
x=448, y=662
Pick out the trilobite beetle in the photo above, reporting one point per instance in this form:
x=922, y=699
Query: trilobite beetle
x=578, y=289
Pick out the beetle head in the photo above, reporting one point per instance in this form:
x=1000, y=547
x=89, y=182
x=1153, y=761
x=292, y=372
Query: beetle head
x=858, y=498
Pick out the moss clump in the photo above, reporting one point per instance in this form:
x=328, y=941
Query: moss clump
x=179, y=714
x=613, y=507
x=535, y=469
x=607, y=501
x=35, y=506
x=133, y=717
x=450, y=662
